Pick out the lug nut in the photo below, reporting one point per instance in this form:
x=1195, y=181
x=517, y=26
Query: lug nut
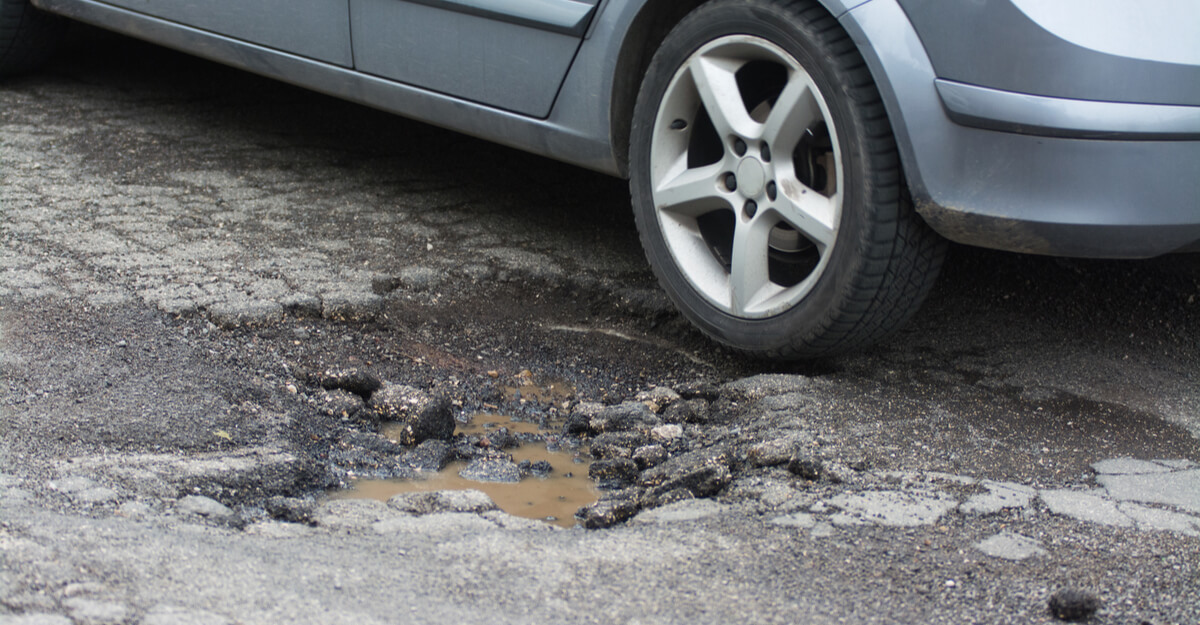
x=751, y=208
x=766, y=153
x=772, y=191
x=731, y=182
x=739, y=147
x=678, y=124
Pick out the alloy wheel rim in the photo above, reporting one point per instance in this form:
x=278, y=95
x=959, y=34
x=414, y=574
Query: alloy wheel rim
x=745, y=173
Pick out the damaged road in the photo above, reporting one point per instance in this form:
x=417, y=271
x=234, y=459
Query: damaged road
x=221, y=297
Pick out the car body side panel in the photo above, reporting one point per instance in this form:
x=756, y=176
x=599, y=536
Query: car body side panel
x=583, y=143
x=317, y=29
x=503, y=59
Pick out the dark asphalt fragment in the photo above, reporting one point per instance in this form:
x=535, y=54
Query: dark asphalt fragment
x=491, y=470
x=624, y=416
x=805, y=466
x=613, y=471
x=648, y=456
x=690, y=411
x=355, y=380
x=419, y=415
x=1073, y=604
x=606, y=513
x=430, y=455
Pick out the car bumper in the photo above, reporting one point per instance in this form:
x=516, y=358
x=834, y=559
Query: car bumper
x=1033, y=173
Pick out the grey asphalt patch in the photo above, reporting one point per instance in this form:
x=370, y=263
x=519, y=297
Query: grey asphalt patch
x=1000, y=495
x=1165, y=520
x=1011, y=546
x=1179, y=488
x=1083, y=506
x=1129, y=466
x=891, y=508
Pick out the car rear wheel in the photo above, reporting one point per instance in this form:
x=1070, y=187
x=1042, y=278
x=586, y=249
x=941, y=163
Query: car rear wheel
x=27, y=36
x=767, y=186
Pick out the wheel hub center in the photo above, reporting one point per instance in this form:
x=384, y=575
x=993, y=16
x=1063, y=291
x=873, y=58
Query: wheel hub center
x=750, y=177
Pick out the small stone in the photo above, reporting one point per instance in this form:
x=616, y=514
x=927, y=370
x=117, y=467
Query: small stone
x=491, y=470
x=666, y=433
x=205, y=507
x=1071, y=604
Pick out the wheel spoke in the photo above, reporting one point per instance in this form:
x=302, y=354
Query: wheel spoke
x=809, y=212
x=691, y=192
x=749, y=274
x=716, y=81
x=795, y=110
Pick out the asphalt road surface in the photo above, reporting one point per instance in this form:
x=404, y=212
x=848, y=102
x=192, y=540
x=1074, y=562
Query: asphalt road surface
x=189, y=256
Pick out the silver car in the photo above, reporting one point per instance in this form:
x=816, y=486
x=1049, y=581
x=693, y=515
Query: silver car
x=796, y=166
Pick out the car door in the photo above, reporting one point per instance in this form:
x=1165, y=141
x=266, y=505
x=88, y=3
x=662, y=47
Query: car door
x=317, y=29
x=510, y=54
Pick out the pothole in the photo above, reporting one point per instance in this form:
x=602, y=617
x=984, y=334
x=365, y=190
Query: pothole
x=532, y=476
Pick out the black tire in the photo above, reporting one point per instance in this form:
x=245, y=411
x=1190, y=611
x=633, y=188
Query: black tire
x=868, y=269
x=28, y=37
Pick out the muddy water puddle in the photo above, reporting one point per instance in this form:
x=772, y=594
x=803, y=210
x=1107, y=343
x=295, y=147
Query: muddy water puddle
x=553, y=498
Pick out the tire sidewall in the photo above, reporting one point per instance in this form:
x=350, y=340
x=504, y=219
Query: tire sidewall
x=816, y=312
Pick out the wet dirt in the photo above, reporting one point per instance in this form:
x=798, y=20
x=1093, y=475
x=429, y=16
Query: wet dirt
x=553, y=498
